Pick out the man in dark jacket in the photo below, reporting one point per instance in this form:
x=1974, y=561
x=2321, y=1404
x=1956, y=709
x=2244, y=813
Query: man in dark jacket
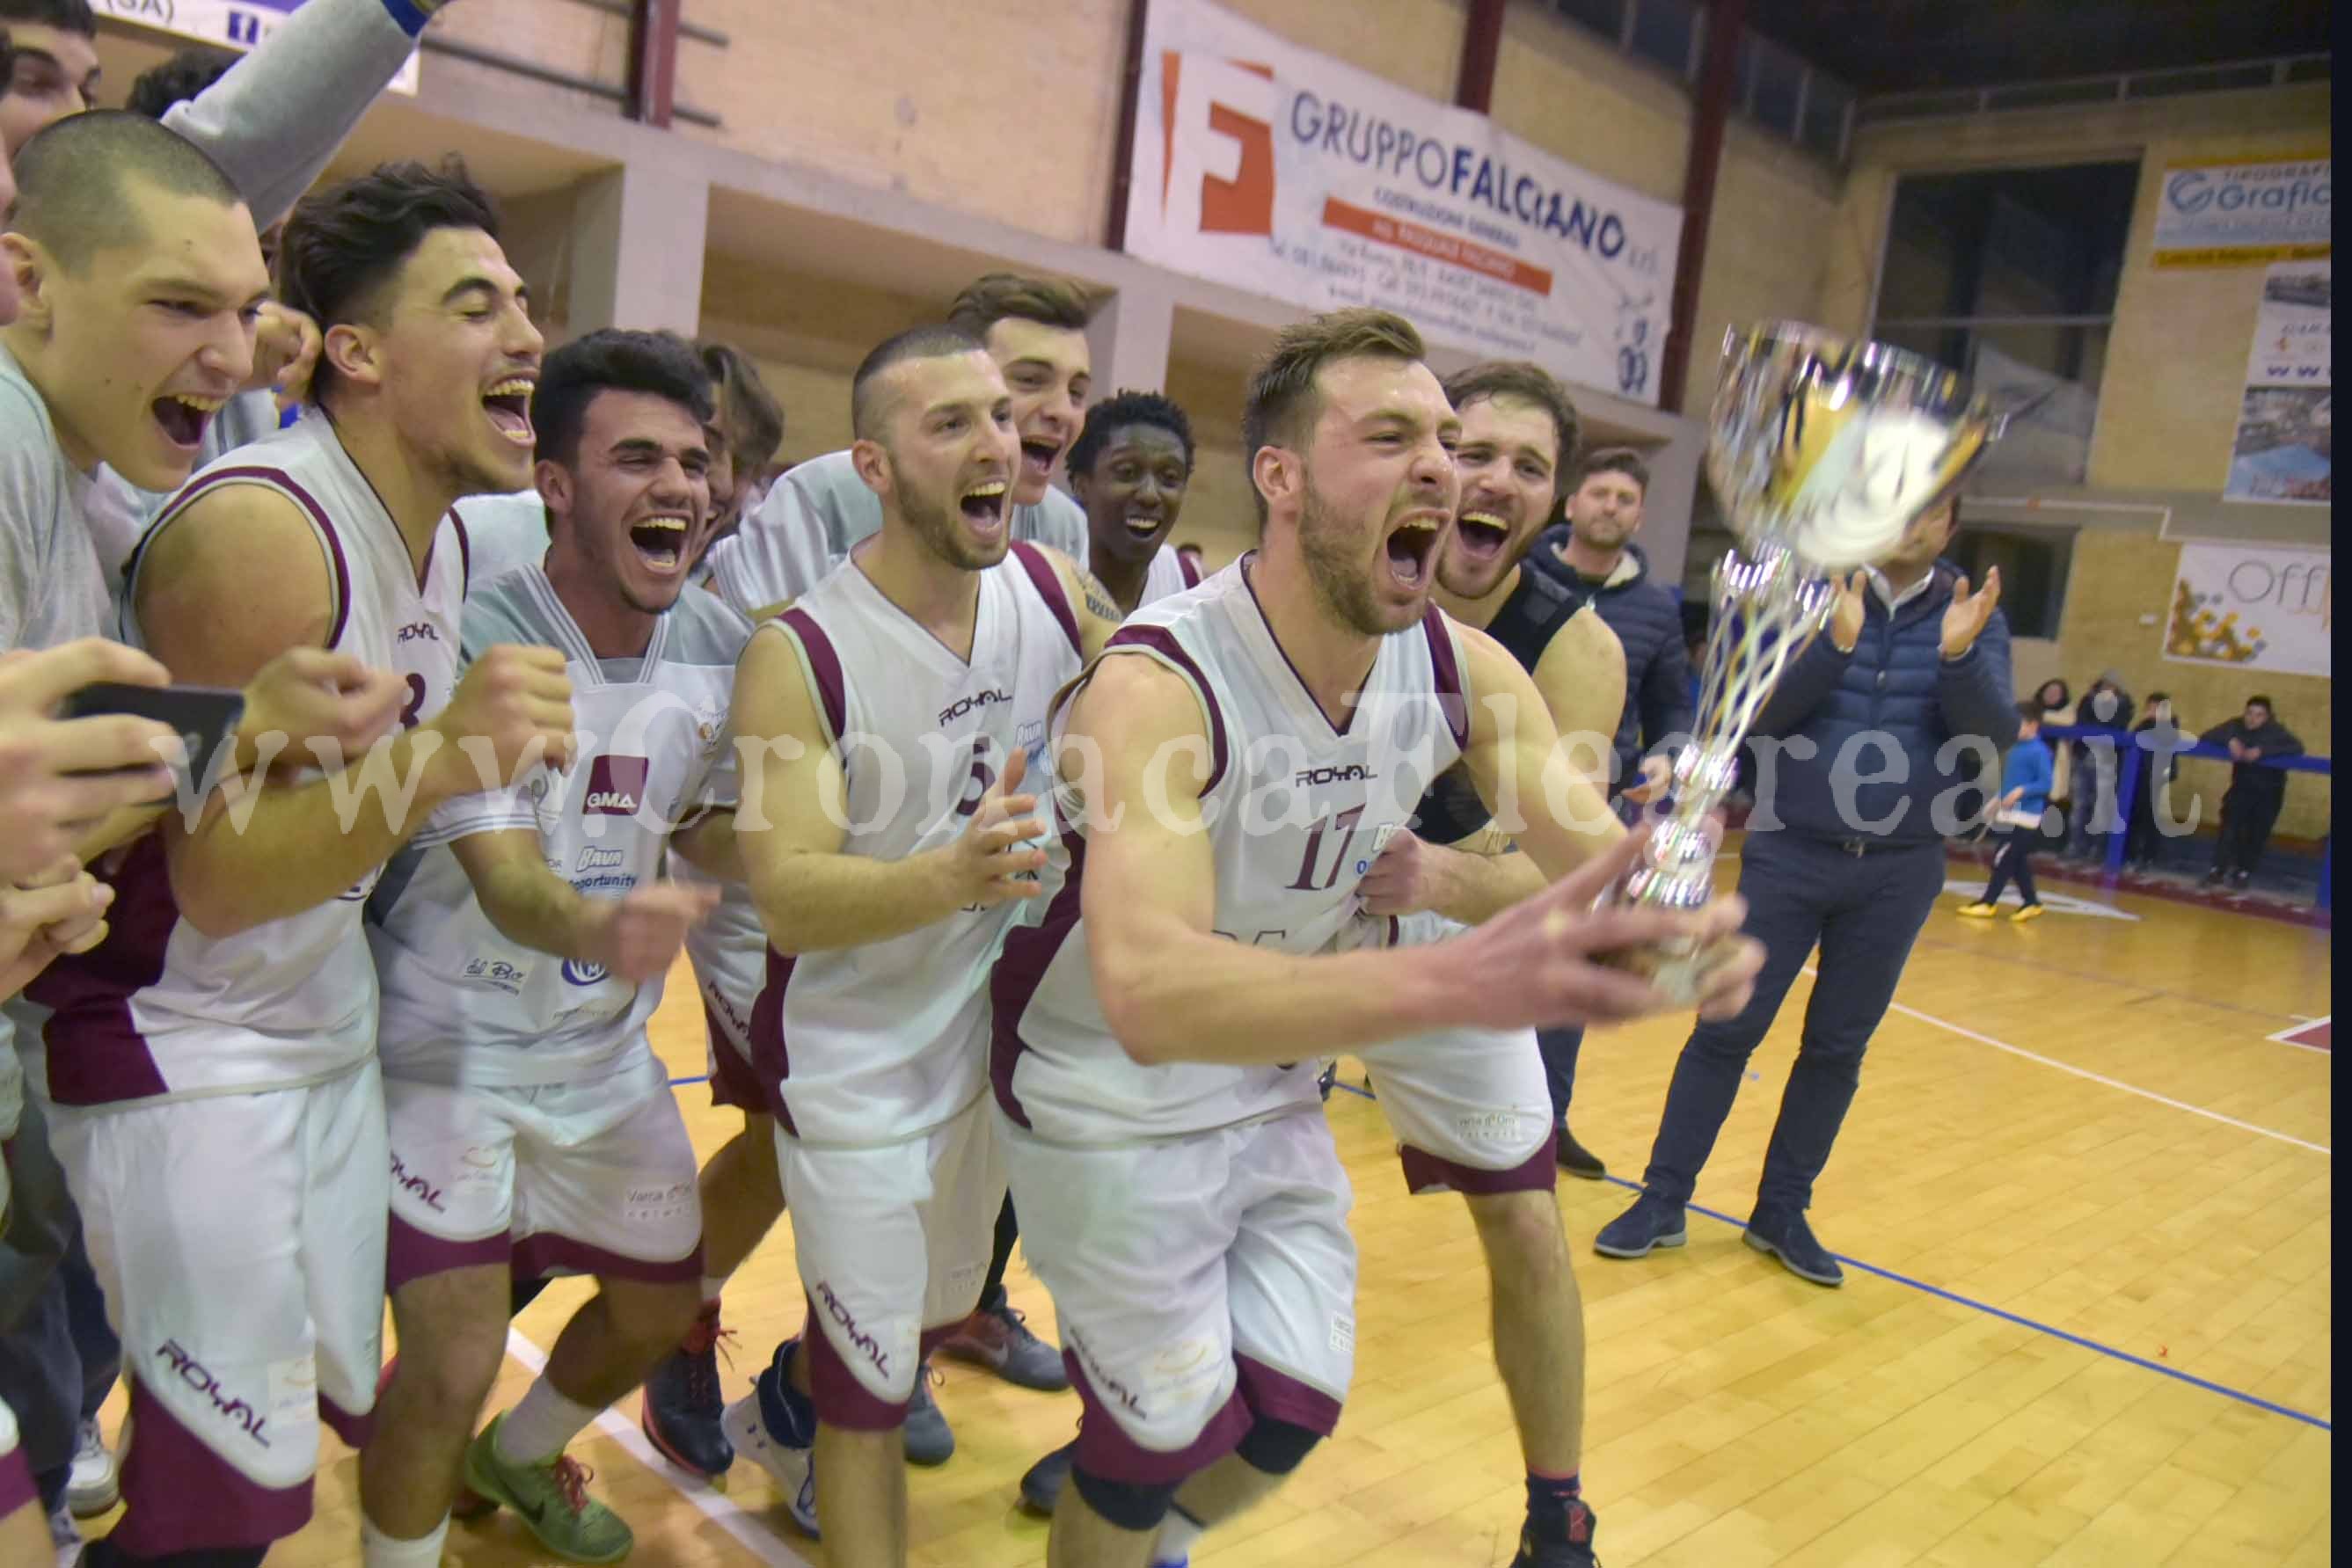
x=2251, y=808
x=1857, y=784
x=1593, y=556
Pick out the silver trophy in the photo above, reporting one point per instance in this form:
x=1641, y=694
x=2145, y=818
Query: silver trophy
x=1822, y=452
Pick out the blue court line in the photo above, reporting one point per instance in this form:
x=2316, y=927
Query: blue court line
x=1957, y=1300
x=682, y=1083
x=2109, y=1350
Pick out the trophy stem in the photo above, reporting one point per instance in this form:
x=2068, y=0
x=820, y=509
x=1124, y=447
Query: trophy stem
x=1767, y=612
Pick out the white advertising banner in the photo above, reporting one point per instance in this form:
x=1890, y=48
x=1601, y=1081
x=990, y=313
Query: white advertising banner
x=2232, y=212
x=1277, y=170
x=235, y=24
x=2285, y=444
x=2257, y=607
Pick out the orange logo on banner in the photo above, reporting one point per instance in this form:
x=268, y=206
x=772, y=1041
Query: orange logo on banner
x=1243, y=204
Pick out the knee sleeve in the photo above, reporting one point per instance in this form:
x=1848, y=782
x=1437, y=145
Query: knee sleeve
x=1130, y=1505
x=1276, y=1448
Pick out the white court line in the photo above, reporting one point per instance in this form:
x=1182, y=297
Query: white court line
x=736, y=1521
x=2068, y=1067
x=2282, y=1036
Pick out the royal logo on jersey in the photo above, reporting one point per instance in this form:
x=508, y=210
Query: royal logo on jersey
x=615, y=786
x=419, y=629
x=1353, y=773
x=962, y=706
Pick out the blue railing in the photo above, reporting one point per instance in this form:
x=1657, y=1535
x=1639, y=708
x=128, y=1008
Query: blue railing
x=2128, y=782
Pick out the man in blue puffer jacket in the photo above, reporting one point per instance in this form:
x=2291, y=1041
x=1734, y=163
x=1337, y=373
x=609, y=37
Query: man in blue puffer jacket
x=1860, y=754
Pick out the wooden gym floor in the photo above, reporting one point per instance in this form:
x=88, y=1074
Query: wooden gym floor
x=2085, y=1206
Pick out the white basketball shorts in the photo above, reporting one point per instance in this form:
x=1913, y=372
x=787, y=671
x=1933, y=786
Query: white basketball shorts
x=1469, y=1106
x=558, y=1178
x=893, y=1244
x=241, y=1241
x=1201, y=1283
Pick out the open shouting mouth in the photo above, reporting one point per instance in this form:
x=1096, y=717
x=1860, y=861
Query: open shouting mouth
x=1481, y=536
x=983, y=504
x=660, y=541
x=184, y=416
x=1410, y=548
x=509, y=406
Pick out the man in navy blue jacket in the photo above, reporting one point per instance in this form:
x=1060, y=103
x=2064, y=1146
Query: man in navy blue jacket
x=1593, y=556
x=1860, y=754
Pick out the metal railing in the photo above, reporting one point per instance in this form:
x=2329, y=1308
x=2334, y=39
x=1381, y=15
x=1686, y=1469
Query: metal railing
x=2115, y=86
x=1775, y=87
x=617, y=93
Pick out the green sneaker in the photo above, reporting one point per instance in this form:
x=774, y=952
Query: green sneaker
x=552, y=1499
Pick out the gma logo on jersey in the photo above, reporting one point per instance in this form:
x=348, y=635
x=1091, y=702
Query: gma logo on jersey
x=616, y=787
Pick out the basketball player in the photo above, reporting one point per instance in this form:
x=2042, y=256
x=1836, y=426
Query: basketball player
x=522, y=945
x=741, y=1198
x=900, y=701
x=231, y=1029
x=1518, y=433
x=1223, y=774
x=115, y=220
x=1036, y=330
x=1128, y=468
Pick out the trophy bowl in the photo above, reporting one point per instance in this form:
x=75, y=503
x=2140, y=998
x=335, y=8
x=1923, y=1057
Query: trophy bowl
x=1831, y=448
x=1823, y=452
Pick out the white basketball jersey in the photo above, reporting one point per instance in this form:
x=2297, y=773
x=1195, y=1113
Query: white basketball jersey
x=1296, y=809
x=163, y=1009
x=873, y=1044
x=1168, y=575
x=463, y=1003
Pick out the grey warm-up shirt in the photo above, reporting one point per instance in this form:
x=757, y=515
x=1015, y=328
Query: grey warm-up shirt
x=271, y=124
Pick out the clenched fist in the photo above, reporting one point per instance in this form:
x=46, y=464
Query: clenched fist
x=511, y=712
x=639, y=935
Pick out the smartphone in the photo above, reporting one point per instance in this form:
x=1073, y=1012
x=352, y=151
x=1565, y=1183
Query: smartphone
x=205, y=718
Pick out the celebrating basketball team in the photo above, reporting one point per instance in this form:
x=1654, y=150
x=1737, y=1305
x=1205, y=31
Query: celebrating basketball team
x=1028, y=879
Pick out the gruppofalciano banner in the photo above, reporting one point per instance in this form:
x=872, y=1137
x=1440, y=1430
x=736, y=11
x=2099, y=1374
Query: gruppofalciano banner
x=1280, y=170
x=2232, y=212
x=236, y=24
x=2257, y=607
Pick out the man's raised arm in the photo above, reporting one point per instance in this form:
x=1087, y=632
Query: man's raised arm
x=1172, y=990
x=274, y=121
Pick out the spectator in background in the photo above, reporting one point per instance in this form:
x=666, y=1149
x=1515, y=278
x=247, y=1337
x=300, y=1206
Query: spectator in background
x=2158, y=734
x=2017, y=820
x=1853, y=867
x=2096, y=816
x=1593, y=556
x=2251, y=808
x=2056, y=699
